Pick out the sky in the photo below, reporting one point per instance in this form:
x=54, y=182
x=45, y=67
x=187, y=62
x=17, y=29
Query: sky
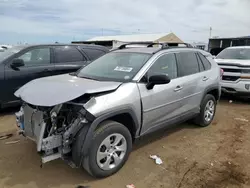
x=49, y=21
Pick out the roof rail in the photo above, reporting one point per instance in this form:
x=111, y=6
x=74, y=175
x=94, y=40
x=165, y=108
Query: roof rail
x=164, y=45
x=187, y=44
x=147, y=44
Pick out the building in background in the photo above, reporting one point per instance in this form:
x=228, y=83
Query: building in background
x=216, y=44
x=118, y=40
x=200, y=45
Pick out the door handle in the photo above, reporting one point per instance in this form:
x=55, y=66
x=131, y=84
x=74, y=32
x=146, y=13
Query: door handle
x=178, y=88
x=204, y=78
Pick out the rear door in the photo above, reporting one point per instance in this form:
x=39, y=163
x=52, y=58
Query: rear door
x=207, y=71
x=209, y=76
x=68, y=59
x=37, y=63
x=191, y=76
x=162, y=103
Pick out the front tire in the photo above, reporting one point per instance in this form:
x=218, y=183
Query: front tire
x=207, y=111
x=110, y=149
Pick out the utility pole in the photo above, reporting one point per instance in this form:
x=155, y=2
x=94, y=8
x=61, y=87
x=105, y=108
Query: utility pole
x=210, y=32
x=210, y=35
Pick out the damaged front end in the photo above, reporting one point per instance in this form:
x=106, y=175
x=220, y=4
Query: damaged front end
x=53, y=128
x=54, y=122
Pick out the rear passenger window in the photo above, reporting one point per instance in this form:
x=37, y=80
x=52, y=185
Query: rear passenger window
x=206, y=63
x=187, y=63
x=93, y=53
x=67, y=54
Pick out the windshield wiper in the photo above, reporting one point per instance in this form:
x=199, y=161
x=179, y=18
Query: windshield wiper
x=73, y=74
x=88, y=78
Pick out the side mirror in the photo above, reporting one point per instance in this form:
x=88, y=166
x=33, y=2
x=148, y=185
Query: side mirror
x=157, y=80
x=17, y=63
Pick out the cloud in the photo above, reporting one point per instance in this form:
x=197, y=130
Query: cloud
x=67, y=20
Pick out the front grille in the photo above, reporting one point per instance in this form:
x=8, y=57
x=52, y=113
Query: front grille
x=231, y=70
x=229, y=89
x=230, y=78
x=234, y=68
x=246, y=71
x=32, y=122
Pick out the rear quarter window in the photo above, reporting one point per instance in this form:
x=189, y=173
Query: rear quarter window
x=205, y=61
x=93, y=53
x=201, y=65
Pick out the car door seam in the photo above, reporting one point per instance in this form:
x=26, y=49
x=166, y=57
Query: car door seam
x=165, y=121
x=160, y=106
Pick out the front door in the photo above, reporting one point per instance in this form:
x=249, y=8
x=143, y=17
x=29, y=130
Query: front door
x=37, y=63
x=162, y=103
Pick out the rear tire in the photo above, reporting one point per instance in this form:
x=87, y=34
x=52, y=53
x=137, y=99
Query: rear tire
x=110, y=149
x=207, y=111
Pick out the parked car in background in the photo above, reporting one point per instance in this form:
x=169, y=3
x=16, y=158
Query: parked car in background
x=235, y=63
x=21, y=64
x=92, y=118
x=4, y=47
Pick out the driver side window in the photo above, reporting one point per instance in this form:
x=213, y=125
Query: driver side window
x=36, y=56
x=165, y=64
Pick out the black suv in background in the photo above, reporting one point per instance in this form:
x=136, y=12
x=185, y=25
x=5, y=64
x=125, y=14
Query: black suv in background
x=21, y=64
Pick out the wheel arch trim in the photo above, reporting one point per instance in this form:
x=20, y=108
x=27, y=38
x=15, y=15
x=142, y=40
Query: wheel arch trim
x=98, y=120
x=209, y=89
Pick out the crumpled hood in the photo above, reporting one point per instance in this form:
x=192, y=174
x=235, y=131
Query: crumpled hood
x=53, y=90
x=235, y=62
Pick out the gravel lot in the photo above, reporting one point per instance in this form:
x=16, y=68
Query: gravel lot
x=217, y=156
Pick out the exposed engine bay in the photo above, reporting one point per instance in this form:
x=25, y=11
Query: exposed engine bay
x=53, y=122
x=53, y=128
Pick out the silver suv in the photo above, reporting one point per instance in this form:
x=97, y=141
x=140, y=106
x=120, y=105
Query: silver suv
x=92, y=117
x=235, y=63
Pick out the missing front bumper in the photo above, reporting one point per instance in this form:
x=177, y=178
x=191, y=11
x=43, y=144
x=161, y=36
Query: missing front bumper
x=33, y=124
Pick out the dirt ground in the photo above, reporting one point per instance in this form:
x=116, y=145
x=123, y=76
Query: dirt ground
x=217, y=156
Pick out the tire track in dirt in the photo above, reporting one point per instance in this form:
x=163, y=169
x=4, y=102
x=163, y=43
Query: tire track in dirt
x=228, y=170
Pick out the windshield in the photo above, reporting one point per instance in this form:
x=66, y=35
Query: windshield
x=8, y=52
x=116, y=66
x=235, y=53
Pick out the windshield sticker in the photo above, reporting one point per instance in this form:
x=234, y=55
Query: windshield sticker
x=123, y=69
